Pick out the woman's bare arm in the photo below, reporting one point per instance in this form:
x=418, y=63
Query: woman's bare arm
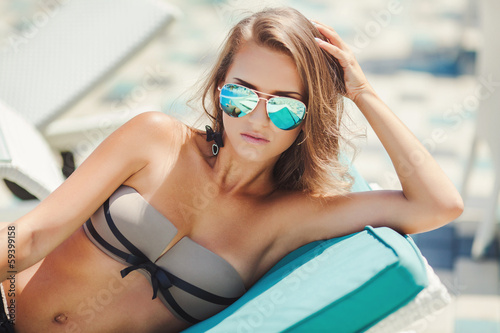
x=122, y=154
x=428, y=199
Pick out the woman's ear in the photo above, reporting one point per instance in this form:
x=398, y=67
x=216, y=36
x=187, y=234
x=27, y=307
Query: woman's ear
x=218, y=84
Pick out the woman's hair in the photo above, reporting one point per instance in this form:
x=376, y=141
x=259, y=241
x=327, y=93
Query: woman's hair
x=311, y=163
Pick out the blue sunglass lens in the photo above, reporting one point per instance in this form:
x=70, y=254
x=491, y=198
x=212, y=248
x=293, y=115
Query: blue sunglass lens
x=286, y=113
x=237, y=101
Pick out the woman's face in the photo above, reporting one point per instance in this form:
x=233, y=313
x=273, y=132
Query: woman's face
x=270, y=72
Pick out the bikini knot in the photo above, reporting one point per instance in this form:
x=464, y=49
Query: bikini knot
x=159, y=279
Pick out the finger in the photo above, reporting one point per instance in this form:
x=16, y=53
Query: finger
x=333, y=50
x=332, y=35
x=322, y=26
x=315, y=22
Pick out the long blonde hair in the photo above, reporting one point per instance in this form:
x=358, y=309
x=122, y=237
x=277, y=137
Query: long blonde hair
x=311, y=163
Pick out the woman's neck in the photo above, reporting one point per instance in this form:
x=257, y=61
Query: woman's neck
x=238, y=176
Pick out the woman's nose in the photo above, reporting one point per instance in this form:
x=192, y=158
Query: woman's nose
x=259, y=114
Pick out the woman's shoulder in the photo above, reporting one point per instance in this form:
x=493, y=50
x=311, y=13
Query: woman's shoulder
x=157, y=123
x=157, y=130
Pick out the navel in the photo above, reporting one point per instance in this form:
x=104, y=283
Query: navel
x=60, y=318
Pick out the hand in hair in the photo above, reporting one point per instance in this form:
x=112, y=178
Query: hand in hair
x=428, y=199
x=355, y=80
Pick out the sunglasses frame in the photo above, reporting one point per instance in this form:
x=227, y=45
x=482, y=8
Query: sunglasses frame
x=265, y=99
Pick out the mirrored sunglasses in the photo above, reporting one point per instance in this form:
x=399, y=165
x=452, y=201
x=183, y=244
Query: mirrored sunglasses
x=285, y=112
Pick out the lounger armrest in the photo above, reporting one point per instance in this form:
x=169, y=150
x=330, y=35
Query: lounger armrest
x=26, y=158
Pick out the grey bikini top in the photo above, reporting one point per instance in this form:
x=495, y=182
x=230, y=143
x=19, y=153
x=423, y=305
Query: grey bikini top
x=193, y=282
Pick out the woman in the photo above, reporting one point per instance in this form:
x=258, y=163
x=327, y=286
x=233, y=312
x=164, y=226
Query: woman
x=197, y=218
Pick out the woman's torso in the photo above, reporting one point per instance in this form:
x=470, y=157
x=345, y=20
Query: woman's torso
x=82, y=287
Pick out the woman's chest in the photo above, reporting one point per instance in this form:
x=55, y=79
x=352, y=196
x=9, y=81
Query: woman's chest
x=241, y=233
x=241, y=230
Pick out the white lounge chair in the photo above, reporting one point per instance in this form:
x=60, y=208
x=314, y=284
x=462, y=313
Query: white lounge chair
x=26, y=160
x=43, y=74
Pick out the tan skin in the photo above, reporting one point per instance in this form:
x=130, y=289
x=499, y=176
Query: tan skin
x=226, y=203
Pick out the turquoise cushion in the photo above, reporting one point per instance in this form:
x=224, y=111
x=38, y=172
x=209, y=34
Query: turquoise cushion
x=345, y=284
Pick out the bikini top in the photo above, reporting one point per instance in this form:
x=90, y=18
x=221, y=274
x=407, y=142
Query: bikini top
x=193, y=282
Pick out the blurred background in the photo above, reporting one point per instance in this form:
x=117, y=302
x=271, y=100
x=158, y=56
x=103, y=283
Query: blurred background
x=433, y=62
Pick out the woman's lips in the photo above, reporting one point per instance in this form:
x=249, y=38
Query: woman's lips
x=251, y=139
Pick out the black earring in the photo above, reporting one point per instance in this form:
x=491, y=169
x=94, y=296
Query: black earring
x=215, y=136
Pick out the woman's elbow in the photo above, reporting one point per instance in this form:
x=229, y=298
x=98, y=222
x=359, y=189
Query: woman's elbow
x=453, y=207
x=432, y=216
x=447, y=210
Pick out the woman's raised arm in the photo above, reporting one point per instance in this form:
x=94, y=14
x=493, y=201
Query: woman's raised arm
x=428, y=199
x=123, y=153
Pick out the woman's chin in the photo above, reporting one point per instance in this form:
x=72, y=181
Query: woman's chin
x=251, y=154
